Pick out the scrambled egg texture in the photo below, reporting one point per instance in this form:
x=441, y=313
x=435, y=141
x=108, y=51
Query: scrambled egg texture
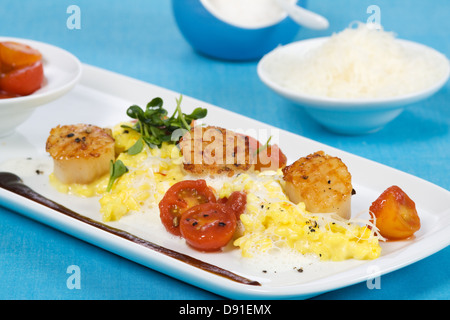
x=271, y=221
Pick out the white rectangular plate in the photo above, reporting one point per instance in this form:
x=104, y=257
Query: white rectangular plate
x=102, y=98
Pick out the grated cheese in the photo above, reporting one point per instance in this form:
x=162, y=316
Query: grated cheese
x=359, y=62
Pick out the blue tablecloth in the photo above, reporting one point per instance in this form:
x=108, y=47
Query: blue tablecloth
x=139, y=38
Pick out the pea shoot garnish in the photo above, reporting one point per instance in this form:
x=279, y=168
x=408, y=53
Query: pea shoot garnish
x=260, y=149
x=116, y=170
x=156, y=127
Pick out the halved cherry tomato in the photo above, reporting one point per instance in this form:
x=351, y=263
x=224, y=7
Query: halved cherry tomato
x=23, y=81
x=17, y=55
x=236, y=202
x=208, y=227
x=180, y=197
x=396, y=214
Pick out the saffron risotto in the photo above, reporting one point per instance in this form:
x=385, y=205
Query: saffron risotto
x=270, y=220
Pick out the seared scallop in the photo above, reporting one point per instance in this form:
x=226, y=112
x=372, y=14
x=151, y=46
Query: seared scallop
x=81, y=153
x=322, y=182
x=214, y=150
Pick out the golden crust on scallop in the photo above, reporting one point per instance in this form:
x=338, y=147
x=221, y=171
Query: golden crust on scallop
x=322, y=182
x=78, y=141
x=214, y=150
x=81, y=153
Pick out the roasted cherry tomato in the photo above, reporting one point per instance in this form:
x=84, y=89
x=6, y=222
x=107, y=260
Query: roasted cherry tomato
x=179, y=198
x=6, y=95
x=253, y=144
x=395, y=214
x=270, y=158
x=208, y=226
x=17, y=55
x=236, y=202
x=23, y=81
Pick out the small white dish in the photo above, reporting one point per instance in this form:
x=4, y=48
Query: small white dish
x=347, y=116
x=62, y=71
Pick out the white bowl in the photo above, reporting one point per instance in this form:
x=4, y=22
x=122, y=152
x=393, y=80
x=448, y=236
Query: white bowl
x=62, y=71
x=348, y=116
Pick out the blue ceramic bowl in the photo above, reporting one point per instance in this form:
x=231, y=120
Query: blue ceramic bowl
x=216, y=38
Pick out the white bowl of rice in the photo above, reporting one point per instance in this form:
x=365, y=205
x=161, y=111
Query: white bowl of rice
x=356, y=81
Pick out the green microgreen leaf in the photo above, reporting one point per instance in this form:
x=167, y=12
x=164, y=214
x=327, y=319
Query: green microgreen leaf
x=116, y=170
x=136, y=148
x=264, y=146
x=156, y=127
